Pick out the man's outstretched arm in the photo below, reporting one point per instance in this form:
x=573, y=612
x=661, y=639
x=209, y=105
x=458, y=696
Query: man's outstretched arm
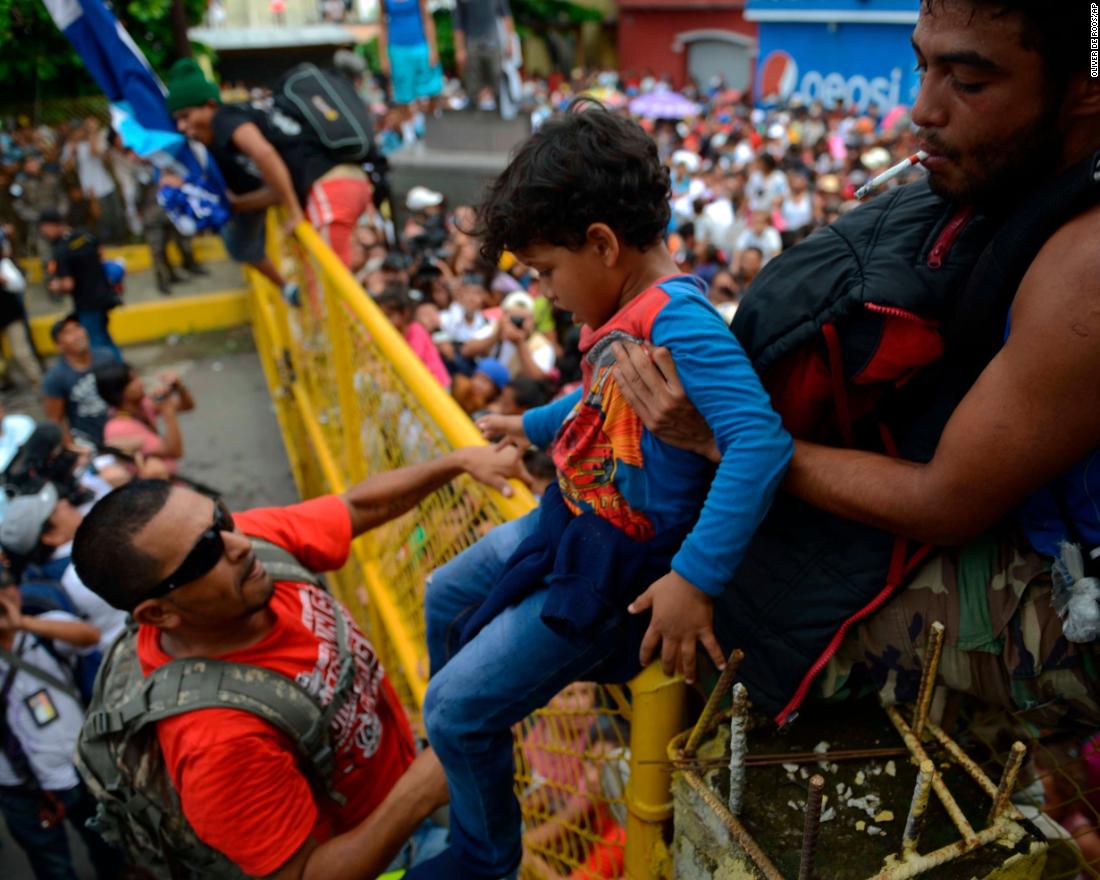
x=378, y=499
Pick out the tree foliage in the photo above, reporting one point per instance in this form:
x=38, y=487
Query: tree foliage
x=37, y=60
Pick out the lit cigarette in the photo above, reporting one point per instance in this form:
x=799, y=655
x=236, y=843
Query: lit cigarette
x=890, y=173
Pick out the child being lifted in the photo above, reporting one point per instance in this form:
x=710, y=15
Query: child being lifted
x=633, y=525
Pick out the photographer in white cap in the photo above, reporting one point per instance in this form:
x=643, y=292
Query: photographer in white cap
x=514, y=342
x=38, y=530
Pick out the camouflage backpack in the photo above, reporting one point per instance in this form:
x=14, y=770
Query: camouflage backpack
x=119, y=757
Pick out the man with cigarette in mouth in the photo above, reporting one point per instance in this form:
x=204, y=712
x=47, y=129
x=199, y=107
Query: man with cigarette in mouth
x=998, y=525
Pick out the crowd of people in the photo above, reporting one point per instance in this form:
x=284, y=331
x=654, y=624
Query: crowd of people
x=580, y=314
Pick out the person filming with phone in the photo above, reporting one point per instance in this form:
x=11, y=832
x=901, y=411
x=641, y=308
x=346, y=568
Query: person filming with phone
x=514, y=341
x=140, y=423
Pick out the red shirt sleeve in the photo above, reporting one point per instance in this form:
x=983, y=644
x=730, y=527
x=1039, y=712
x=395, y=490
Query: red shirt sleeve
x=317, y=532
x=245, y=796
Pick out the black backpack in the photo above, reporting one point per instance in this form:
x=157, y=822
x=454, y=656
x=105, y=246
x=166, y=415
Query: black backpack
x=326, y=104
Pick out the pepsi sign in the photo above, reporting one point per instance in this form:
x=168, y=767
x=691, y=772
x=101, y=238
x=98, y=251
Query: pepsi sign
x=854, y=64
x=779, y=79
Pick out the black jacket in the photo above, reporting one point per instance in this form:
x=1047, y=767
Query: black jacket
x=806, y=572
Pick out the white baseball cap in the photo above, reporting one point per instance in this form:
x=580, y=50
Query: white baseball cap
x=24, y=519
x=420, y=197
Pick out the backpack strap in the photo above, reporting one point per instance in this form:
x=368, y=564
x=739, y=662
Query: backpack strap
x=283, y=565
x=17, y=662
x=190, y=684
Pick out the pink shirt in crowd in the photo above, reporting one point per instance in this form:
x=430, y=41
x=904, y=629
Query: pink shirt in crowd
x=121, y=427
x=421, y=343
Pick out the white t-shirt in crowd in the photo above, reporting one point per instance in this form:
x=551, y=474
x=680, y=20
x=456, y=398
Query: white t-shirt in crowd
x=798, y=212
x=460, y=330
x=719, y=225
x=92, y=170
x=45, y=720
x=769, y=242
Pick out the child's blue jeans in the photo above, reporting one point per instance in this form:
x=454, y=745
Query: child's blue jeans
x=515, y=665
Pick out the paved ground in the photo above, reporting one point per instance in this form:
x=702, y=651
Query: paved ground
x=141, y=287
x=231, y=442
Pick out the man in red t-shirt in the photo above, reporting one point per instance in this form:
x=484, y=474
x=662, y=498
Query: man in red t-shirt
x=186, y=570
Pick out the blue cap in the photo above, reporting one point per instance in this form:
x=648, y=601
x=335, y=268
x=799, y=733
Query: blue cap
x=495, y=370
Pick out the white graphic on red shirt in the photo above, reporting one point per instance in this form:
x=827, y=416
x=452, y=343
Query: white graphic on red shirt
x=356, y=728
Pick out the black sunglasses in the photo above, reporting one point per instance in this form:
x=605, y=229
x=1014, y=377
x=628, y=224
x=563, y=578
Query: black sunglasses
x=208, y=549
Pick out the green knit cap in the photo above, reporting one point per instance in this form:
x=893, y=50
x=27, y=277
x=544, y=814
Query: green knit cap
x=189, y=87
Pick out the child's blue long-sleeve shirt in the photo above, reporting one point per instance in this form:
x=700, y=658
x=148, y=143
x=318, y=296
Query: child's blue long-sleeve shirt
x=610, y=464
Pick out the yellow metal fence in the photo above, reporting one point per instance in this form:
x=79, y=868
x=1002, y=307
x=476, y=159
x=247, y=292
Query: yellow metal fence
x=352, y=400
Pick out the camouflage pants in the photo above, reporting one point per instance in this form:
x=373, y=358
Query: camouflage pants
x=159, y=231
x=1003, y=641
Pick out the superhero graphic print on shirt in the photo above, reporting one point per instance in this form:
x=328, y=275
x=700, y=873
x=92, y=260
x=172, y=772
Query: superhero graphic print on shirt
x=599, y=446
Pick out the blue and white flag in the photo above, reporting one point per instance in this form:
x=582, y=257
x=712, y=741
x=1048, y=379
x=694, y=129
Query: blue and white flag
x=139, y=112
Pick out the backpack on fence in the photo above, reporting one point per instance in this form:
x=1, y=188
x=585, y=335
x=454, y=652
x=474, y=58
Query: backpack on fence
x=119, y=758
x=327, y=105
x=867, y=335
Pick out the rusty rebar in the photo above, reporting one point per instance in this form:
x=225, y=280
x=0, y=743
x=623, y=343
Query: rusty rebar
x=932, y=652
x=1008, y=780
x=938, y=785
x=812, y=827
x=739, y=745
x=962, y=758
x=756, y=759
x=914, y=823
x=702, y=726
x=921, y=864
x=736, y=829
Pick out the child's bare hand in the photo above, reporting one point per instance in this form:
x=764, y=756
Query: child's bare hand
x=682, y=616
x=494, y=426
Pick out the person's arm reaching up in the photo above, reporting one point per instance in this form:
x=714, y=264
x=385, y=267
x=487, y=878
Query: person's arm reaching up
x=380, y=498
x=73, y=632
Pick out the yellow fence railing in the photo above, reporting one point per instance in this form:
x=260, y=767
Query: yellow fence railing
x=352, y=400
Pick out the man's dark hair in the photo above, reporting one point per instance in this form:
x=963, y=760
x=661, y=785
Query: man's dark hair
x=111, y=380
x=61, y=323
x=394, y=296
x=529, y=393
x=103, y=550
x=1057, y=31
x=583, y=167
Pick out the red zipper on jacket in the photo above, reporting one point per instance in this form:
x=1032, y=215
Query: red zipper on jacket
x=903, y=314
x=899, y=570
x=947, y=238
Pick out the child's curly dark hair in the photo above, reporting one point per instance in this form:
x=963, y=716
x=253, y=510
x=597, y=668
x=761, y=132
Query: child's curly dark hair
x=583, y=167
